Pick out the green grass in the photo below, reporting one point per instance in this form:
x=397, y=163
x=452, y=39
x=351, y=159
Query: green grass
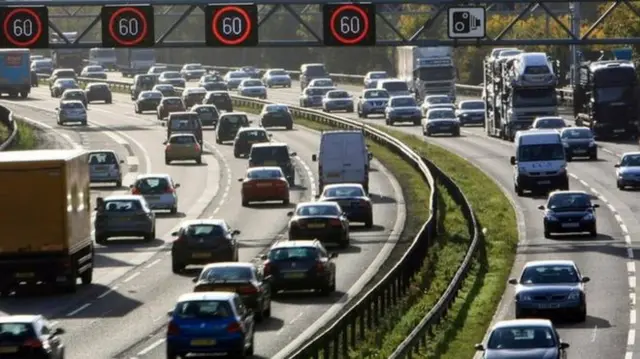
x=26, y=140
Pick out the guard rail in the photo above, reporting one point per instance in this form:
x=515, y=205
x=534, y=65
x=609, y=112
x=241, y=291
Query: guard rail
x=6, y=118
x=367, y=312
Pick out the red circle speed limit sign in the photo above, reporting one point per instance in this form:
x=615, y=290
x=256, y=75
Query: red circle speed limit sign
x=231, y=25
x=349, y=24
x=127, y=26
x=24, y=27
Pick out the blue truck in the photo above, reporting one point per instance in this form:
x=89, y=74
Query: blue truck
x=15, y=72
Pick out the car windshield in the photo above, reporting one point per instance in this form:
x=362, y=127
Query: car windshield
x=146, y=80
x=253, y=135
x=66, y=73
x=542, y=152
x=395, y=86
x=13, y=332
x=315, y=70
x=318, y=210
x=66, y=83
x=172, y=101
x=434, y=115
x=549, y=274
x=72, y=106
x=73, y=94
x=521, y=338
x=153, y=185
x=94, y=69
x=163, y=87
x=220, y=95
x=338, y=94
x=234, y=121
x=276, y=108
x=158, y=69
x=171, y=75
x=437, y=100
x=322, y=83
x=630, y=160
x=122, y=206
x=231, y=273
x=403, y=102
x=577, y=133
x=378, y=75
x=293, y=253
x=43, y=63
x=203, y=309
x=197, y=92
x=98, y=87
x=238, y=75
x=253, y=83
x=376, y=94
x=551, y=123
x=472, y=105
x=182, y=140
x=561, y=201
x=102, y=158
x=156, y=95
x=205, y=230
x=266, y=153
x=259, y=174
x=311, y=91
x=277, y=73
x=346, y=191
x=193, y=67
x=206, y=112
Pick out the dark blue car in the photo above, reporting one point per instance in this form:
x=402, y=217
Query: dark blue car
x=569, y=212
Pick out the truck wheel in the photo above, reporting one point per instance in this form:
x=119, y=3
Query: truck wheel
x=150, y=236
x=102, y=240
x=87, y=277
x=24, y=94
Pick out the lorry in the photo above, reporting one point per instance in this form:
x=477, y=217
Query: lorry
x=15, y=72
x=72, y=58
x=46, y=220
x=427, y=70
x=105, y=57
x=516, y=90
x=131, y=62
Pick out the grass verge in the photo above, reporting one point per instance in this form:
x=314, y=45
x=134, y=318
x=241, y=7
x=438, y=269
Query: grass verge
x=26, y=140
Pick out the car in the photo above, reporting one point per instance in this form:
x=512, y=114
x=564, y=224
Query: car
x=242, y=278
x=523, y=338
x=441, y=120
x=105, y=167
x=579, y=142
x=158, y=190
x=192, y=71
x=402, y=109
x=124, y=215
x=185, y=122
x=312, y=71
x=71, y=111
x=98, y=91
x=42, y=66
x=264, y=184
x=193, y=95
x=169, y=105
x=312, y=96
x=142, y=83
x=94, y=72
x=321, y=82
x=171, y=78
x=436, y=101
x=470, y=112
x=234, y=78
x=628, y=170
x=569, y=212
x=220, y=99
x=353, y=201
x=372, y=101
x=252, y=88
x=300, y=265
x=156, y=70
x=182, y=147
x=210, y=323
x=208, y=114
x=229, y=124
x=30, y=336
x=324, y=221
x=148, y=101
x=60, y=85
x=215, y=86
x=372, y=77
x=166, y=90
x=209, y=78
x=276, y=115
x=274, y=154
x=276, y=77
x=251, y=70
x=549, y=287
x=548, y=123
x=337, y=100
x=58, y=74
x=247, y=137
x=75, y=94
x=203, y=241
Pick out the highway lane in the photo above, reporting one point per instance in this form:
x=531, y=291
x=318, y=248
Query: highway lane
x=157, y=288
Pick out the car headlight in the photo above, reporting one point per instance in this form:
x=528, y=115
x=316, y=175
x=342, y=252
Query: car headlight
x=566, y=145
x=588, y=217
x=551, y=217
x=525, y=297
x=592, y=144
x=574, y=295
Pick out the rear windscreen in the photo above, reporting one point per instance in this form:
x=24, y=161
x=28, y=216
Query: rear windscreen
x=231, y=273
x=102, y=158
x=182, y=140
x=12, y=332
x=203, y=309
x=254, y=135
x=204, y=230
x=122, y=206
x=293, y=253
x=234, y=121
x=278, y=153
x=184, y=124
x=152, y=185
x=173, y=102
x=66, y=74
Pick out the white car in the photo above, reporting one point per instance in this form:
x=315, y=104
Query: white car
x=439, y=121
x=337, y=100
x=71, y=111
x=94, y=72
x=372, y=77
x=436, y=101
x=192, y=71
x=234, y=78
x=402, y=109
x=323, y=82
x=252, y=88
x=276, y=77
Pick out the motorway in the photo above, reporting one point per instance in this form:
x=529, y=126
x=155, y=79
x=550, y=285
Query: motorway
x=609, y=331
x=123, y=313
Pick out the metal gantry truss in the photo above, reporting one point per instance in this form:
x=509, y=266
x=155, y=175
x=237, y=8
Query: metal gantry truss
x=303, y=20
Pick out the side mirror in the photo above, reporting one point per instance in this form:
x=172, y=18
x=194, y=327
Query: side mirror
x=58, y=331
x=162, y=124
x=169, y=313
x=479, y=347
x=289, y=214
x=586, y=279
x=130, y=186
x=314, y=157
x=370, y=156
x=164, y=142
x=235, y=232
x=596, y=206
x=195, y=280
x=512, y=160
x=293, y=154
x=513, y=281
x=564, y=345
x=177, y=185
x=541, y=207
x=57, y=109
x=263, y=257
x=333, y=255
x=121, y=161
x=240, y=179
x=174, y=234
x=317, y=196
x=617, y=165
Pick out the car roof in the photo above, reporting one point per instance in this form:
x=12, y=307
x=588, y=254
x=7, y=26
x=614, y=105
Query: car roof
x=153, y=175
x=123, y=197
x=269, y=144
x=309, y=204
x=73, y=90
x=549, y=118
x=100, y=151
x=171, y=98
x=523, y=322
x=163, y=85
x=340, y=185
x=276, y=105
x=570, y=192
x=97, y=84
x=264, y=168
x=581, y=128
x=321, y=79
x=203, y=221
x=234, y=114
x=151, y=91
x=550, y=262
x=195, y=89
x=23, y=318
x=247, y=129
x=338, y=90
x=228, y=265
x=219, y=296
x=296, y=243
x=182, y=134
x=468, y=101
x=64, y=102
x=634, y=153
x=403, y=97
x=203, y=105
x=436, y=96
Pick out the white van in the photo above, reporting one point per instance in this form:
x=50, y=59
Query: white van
x=343, y=158
x=395, y=87
x=540, y=163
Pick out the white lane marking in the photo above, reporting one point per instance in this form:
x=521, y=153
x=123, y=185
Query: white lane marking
x=227, y=185
x=131, y=277
x=632, y=283
x=76, y=311
x=148, y=349
x=312, y=181
x=107, y=292
x=594, y=333
x=293, y=320
x=152, y=264
x=631, y=267
x=632, y=317
x=631, y=339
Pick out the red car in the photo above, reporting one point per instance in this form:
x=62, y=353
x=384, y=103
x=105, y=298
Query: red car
x=169, y=105
x=264, y=184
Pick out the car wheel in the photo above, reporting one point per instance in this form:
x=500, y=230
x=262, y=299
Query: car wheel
x=369, y=222
x=286, y=202
x=172, y=355
x=259, y=314
x=519, y=191
x=236, y=154
x=345, y=243
x=83, y=123
x=245, y=203
x=119, y=183
x=619, y=185
x=199, y=160
x=547, y=233
x=290, y=127
x=176, y=267
x=150, y=236
x=582, y=314
x=594, y=232
x=136, y=109
x=594, y=157
x=167, y=161
x=101, y=240
x=87, y=277
x=251, y=349
x=174, y=210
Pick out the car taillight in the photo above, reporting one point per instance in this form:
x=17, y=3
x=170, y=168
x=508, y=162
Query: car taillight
x=266, y=269
x=168, y=148
x=234, y=327
x=169, y=190
x=319, y=267
x=135, y=191
x=196, y=147
x=32, y=343
x=180, y=239
x=173, y=329
x=281, y=183
x=248, y=290
x=335, y=222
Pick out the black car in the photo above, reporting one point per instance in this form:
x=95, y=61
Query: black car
x=242, y=278
x=276, y=115
x=203, y=241
x=148, y=101
x=166, y=90
x=208, y=114
x=324, y=221
x=579, y=142
x=353, y=200
x=247, y=137
x=30, y=336
x=274, y=154
x=142, y=83
x=471, y=112
x=215, y=86
x=220, y=99
x=124, y=216
x=569, y=212
x=300, y=265
x=229, y=124
x=98, y=92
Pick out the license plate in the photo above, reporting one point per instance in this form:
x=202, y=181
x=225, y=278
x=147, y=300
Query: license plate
x=580, y=151
x=544, y=182
x=406, y=116
x=5, y=350
x=444, y=127
x=223, y=289
x=316, y=225
x=294, y=275
x=201, y=255
x=333, y=174
x=270, y=163
x=620, y=130
x=203, y=342
x=548, y=306
x=100, y=168
x=25, y=275
x=570, y=225
x=264, y=184
x=152, y=198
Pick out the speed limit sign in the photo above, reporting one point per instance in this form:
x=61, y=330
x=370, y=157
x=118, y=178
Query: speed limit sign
x=127, y=26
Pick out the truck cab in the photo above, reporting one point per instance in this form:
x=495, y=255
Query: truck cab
x=105, y=57
x=539, y=163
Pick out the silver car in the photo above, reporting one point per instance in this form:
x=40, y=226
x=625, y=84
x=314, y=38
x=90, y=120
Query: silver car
x=277, y=77
x=158, y=190
x=104, y=167
x=252, y=88
x=337, y=100
x=71, y=111
x=124, y=216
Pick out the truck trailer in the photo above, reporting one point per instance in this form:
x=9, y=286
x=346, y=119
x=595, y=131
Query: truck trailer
x=427, y=70
x=15, y=72
x=131, y=62
x=45, y=220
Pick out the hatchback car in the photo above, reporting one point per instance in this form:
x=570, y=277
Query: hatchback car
x=148, y=101
x=124, y=216
x=471, y=112
x=210, y=323
x=321, y=82
x=193, y=96
x=247, y=137
x=551, y=287
x=579, y=142
x=229, y=124
x=94, y=72
x=252, y=88
x=105, y=167
x=337, y=100
x=171, y=78
x=569, y=212
x=208, y=114
x=523, y=338
x=166, y=90
x=220, y=99
x=158, y=190
x=203, y=241
x=264, y=184
x=60, y=85
x=628, y=171
x=214, y=86
x=372, y=101
x=98, y=92
x=274, y=154
x=324, y=221
x=548, y=123
x=182, y=147
x=276, y=115
x=75, y=94
x=402, y=109
x=71, y=111
x=439, y=121
x=169, y=105
x=30, y=336
x=352, y=199
x=276, y=77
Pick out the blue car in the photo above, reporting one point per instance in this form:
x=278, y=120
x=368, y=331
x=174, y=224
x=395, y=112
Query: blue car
x=569, y=212
x=551, y=287
x=210, y=323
